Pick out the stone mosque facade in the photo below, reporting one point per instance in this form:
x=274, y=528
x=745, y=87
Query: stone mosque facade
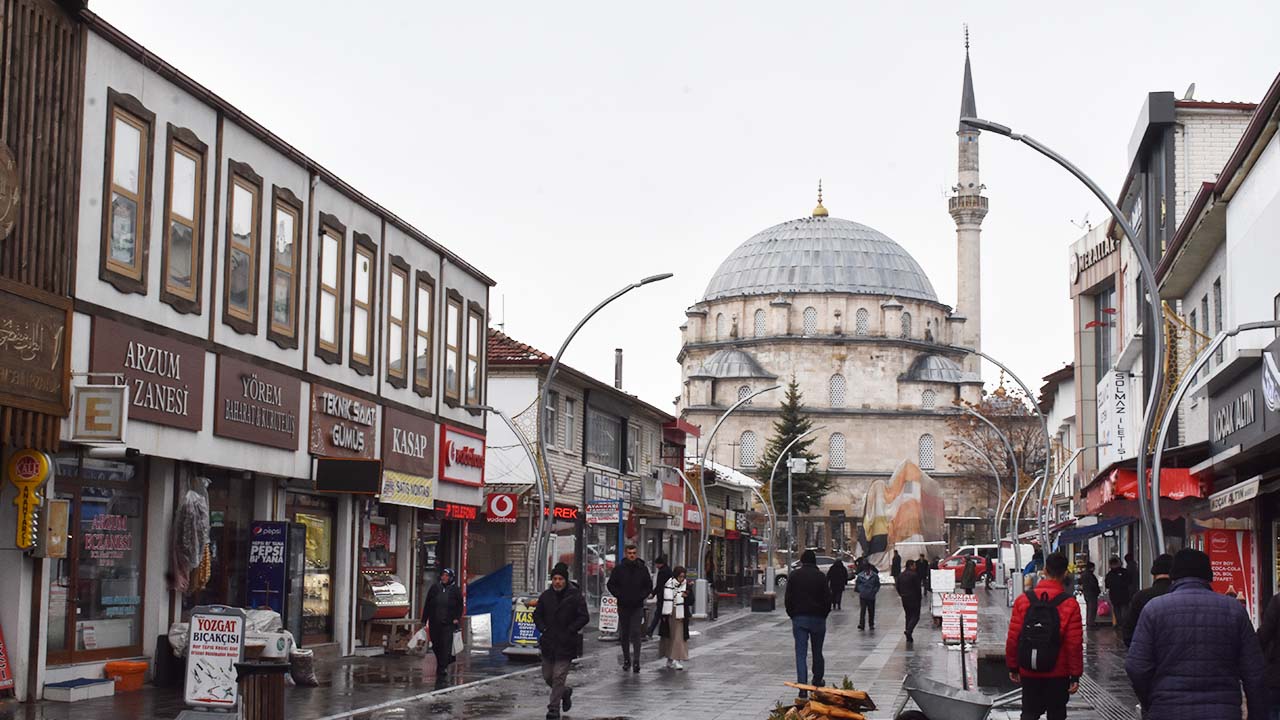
x=851, y=315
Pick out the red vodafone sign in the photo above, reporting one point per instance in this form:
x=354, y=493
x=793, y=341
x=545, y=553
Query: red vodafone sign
x=461, y=456
x=500, y=507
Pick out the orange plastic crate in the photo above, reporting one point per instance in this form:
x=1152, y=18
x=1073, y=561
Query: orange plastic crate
x=128, y=674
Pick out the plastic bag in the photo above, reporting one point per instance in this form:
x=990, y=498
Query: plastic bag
x=302, y=668
x=419, y=641
x=458, y=644
x=1104, y=607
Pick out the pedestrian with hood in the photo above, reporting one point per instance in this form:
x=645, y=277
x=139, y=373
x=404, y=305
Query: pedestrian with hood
x=969, y=576
x=675, y=614
x=664, y=574
x=1044, y=650
x=867, y=584
x=560, y=615
x=630, y=583
x=442, y=614
x=926, y=581
x=1269, y=636
x=895, y=567
x=1118, y=591
x=1160, y=570
x=1090, y=588
x=908, y=586
x=1194, y=650
x=808, y=603
x=837, y=579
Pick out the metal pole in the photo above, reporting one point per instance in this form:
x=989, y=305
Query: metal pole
x=1156, y=331
x=773, y=533
x=1006, y=506
x=537, y=482
x=545, y=400
x=995, y=527
x=781, y=454
x=1062, y=472
x=1017, y=509
x=1008, y=446
x=1172, y=410
x=791, y=523
x=697, y=501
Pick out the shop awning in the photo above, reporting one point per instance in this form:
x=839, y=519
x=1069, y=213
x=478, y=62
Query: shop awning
x=1080, y=534
x=1122, y=484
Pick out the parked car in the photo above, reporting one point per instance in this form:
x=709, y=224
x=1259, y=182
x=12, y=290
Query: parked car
x=986, y=567
x=824, y=564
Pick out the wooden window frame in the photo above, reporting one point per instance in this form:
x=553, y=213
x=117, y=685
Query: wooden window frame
x=396, y=266
x=282, y=199
x=475, y=311
x=242, y=175
x=453, y=394
x=330, y=353
x=363, y=245
x=131, y=110
x=182, y=140
x=421, y=281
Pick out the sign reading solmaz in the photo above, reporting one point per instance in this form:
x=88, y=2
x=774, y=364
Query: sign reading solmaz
x=461, y=456
x=215, y=644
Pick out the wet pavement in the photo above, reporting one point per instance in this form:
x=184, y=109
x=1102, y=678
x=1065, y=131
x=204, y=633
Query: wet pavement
x=736, y=669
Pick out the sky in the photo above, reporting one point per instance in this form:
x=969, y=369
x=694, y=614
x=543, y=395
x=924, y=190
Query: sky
x=567, y=149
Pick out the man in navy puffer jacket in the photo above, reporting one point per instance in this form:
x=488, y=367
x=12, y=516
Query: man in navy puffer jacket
x=1193, y=650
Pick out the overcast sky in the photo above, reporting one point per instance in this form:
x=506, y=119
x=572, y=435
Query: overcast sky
x=568, y=148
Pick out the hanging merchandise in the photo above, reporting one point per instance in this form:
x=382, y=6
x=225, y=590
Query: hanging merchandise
x=191, y=539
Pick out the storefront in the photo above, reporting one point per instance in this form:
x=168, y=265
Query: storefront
x=459, y=496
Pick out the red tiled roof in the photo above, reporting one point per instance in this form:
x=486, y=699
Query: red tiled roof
x=505, y=350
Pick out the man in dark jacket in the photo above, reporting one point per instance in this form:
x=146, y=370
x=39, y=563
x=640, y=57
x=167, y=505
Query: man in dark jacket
x=560, y=616
x=664, y=574
x=1118, y=591
x=895, y=567
x=1046, y=692
x=1090, y=588
x=630, y=583
x=1269, y=636
x=867, y=585
x=1194, y=649
x=808, y=602
x=837, y=579
x=908, y=585
x=442, y=614
x=1160, y=570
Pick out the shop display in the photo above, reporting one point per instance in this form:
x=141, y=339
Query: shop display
x=382, y=597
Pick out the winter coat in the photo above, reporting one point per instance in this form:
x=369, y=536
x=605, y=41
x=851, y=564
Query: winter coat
x=808, y=593
x=1191, y=653
x=867, y=584
x=675, y=605
x=1089, y=585
x=560, y=617
x=1269, y=637
x=1070, y=662
x=443, y=605
x=1158, y=588
x=908, y=585
x=837, y=577
x=664, y=574
x=630, y=582
x=1118, y=587
x=896, y=566
x=969, y=576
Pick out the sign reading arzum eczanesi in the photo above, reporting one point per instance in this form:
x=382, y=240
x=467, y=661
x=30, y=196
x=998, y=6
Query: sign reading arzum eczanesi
x=341, y=425
x=165, y=376
x=256, y=405
x=33, y=352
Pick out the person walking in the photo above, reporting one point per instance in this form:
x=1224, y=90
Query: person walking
x=867, y=585
x=837, y=579
x=1194, y=650
x=969, y=576
x=908, y=586
x=442, y=614
x=1091, y=590
x=630, y=583
x=926, y=580
x=560, y=615
x=895, y=567
x=1160, y=570
x=674, y=611
x=1269, y=636
x=808, y=603
x=1044, y=649
x=1118, y=591
x=664, y=574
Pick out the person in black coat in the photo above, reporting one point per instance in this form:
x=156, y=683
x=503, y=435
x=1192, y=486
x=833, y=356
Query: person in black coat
x=895, y=567
x=1160, y=570
x=808, y=603
x=1269, y=635
x=560, y=616
x=1090, y=588
x=664, y=574
x=442, y=614
x=908, y=586
x=630, y=583
x=837, y=579
x=1119, y=588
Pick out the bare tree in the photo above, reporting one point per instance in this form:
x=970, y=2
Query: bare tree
x=1011, y=411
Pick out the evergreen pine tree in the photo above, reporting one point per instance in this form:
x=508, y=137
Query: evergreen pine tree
x=807, y=488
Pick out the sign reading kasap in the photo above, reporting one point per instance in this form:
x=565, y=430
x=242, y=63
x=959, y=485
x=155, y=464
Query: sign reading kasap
x=28, y=470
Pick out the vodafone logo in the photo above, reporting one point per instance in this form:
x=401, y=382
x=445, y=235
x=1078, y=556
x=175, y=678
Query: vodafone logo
x=465, y=456
x=500, y=508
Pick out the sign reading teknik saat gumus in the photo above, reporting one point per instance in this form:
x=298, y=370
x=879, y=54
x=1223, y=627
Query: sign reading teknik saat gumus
x=342, y=425
x=165, y=375
x=27, y=470
x=256, y=405
x=215, y=644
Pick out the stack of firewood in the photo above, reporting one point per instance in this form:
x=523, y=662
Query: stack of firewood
x=829, y=703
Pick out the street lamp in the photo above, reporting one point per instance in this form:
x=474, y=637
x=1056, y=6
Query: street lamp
x=1062, y=473
x=538, y=580
x=1172, y=408
x=545, y=400
x=1153, y=530
x=1008, y=446
x=769, y=573
x=995, y=527
x=700, y=586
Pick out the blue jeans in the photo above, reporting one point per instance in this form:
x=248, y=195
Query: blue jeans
x=809, y=630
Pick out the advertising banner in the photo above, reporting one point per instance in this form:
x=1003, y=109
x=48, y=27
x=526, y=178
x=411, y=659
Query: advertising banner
x=608, y=614
x=955, y=607
x=501, y=507
x=216, y=644
x=6, y=672
x=524, y=632
x=1231, y=556
x=603, y=511
x=267, y=569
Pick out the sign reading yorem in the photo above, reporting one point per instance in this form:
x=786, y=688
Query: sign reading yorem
x=165, y=376
x=256, y=405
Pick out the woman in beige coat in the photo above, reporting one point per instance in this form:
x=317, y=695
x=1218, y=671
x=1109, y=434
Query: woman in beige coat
x=674, y=628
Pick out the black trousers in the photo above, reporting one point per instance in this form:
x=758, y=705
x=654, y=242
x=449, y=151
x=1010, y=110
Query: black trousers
x=1045, y=696
x=630, y=627
x=836, y=597
x=913, y=616
x=441, y=635
x=866, y=611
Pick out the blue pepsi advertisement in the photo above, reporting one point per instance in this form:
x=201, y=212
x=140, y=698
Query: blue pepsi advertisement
x=268, y=571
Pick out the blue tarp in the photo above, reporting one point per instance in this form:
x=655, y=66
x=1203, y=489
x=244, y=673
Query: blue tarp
x=492, y=594
x=1080, y=534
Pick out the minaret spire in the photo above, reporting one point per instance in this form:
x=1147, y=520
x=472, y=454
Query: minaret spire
x=819, y=211
x=968, y=207
x=968, y=105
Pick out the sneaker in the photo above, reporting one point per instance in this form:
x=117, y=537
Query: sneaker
x=566, y=701
x=677, y=665
x=669, y=665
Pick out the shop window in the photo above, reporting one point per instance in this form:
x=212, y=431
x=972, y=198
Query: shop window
x=759, y=323
x=810, y=321
x=286, y=233
x=925, y=448
x=126, y=204
x=244, y=218
x=230, y=499
x=423, y=322
x=329, y=290
x=836, y=452
x=96, y=592
x=747, y=449
x=184, y=221
x=317, y=515
x=475, y=350
x=862, y=321
x=362, y=306
x=453, y=348
x=836, y=387
x=397, y=321
x=604, y=439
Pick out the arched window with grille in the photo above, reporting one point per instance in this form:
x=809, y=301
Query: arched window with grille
x=926, y=452
x=835, y=452
x=720, y=330
x=906, y=324
x=758, y=325
x=836, y=390
x=743, y=392
x=810, y=320
x=928, y=399
x=747, y=449
x=862, y=322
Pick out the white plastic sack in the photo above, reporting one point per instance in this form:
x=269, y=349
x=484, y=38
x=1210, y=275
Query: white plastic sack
x=419, y=641
x=458, y=645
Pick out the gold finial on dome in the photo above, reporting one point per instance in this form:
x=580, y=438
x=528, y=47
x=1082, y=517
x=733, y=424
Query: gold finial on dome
x=819, y=211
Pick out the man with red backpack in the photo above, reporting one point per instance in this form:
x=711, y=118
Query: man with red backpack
x=1045, y=648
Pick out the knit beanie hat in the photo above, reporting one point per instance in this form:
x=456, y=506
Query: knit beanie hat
x=1163, y=565
x=1191, y=563
x=562, y=570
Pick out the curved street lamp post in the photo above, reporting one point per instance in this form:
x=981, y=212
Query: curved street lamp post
x=1013, y=517
x=537, y=478
x=995, y=527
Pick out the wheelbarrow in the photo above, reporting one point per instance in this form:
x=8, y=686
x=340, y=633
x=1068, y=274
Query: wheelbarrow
x=939, y=701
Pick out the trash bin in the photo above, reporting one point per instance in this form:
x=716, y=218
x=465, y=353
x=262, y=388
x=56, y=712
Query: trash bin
x=262, y=689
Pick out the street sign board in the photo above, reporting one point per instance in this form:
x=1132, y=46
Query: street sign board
x=524, y=632
x=608, y=614
x=215, y=644
x=603, y=511
x=956, y=606
x=500, y=507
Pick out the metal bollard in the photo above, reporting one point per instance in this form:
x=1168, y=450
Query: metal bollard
x=261, y=689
